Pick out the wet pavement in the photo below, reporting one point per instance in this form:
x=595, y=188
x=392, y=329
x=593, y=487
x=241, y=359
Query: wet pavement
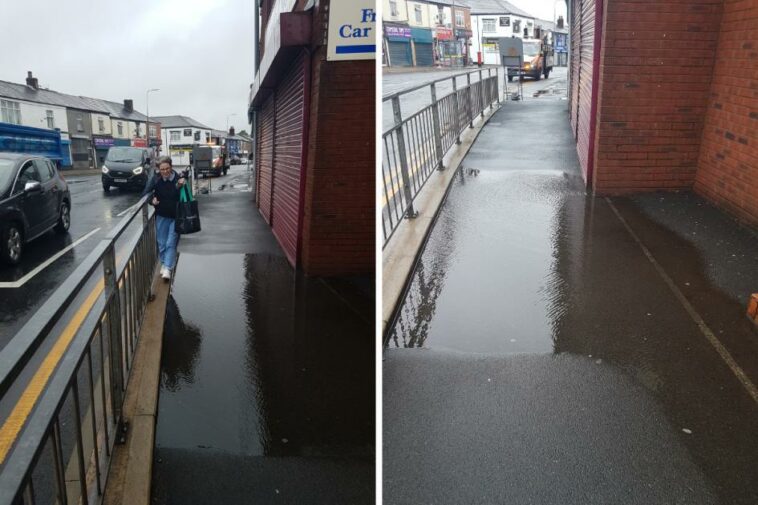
x=267, y=377
x=540, y=357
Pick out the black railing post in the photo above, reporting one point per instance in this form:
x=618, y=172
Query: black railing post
x=113, y=309
x=409, y=211
x=437, y=130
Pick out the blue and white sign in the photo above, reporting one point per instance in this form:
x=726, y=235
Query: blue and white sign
x=352, y=30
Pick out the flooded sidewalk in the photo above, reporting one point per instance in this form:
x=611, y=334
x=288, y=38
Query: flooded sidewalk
x=540, y=356
x=267, y=377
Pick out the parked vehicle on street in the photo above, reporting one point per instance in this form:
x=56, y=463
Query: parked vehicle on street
x=538, y=60
x=235, y=159
x=208, y=160
x=127, y=167
x=36, y=142
x=34, y=198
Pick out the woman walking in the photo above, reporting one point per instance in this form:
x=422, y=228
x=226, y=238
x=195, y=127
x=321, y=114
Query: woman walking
x=164, y=188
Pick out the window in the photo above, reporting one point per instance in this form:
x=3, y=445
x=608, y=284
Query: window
x=488, y=25
x=136, y=130
x=188, y=132
x=120, y=128
x=175, y=136
x=207, y=137
x=516, y=26
x=152, y=131
x=50, y=119
x=505, y=21
x=419, y=15
x=101, y=125
x=28, y=174
x=459, y=18
x=79, y=123
x=197, y=135
x=11, y=112
x=393, y=9
x=43, y=169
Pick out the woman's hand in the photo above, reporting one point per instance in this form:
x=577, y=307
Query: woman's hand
x=155, y=201
x=180, y=183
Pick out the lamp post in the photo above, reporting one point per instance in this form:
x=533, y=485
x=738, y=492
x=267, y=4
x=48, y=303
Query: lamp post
x=147, y=107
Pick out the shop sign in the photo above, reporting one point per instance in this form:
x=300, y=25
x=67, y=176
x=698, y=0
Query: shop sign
x=102, y=142
x=443, y=33
x=352, y=30
x=397, y=31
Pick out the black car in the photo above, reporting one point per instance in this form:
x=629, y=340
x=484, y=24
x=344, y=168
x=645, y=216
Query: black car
x=34, y=199
x=127, y=167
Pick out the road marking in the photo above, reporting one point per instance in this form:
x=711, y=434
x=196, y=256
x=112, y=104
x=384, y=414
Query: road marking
x=704, y=329
x=41, y=267
x=127, y=210
x=17, y=418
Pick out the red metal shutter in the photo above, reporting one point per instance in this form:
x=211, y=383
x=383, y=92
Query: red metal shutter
x=288, y=158
x=265, y=169
x=587, y=50
x=576, y=39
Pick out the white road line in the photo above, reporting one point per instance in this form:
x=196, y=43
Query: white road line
x=704, y=329
x=127, y=210
x=22, y=280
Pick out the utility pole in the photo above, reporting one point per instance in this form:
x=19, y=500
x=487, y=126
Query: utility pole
x=147, y=125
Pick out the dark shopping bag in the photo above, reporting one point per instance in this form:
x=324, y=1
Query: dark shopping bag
x=187, y=213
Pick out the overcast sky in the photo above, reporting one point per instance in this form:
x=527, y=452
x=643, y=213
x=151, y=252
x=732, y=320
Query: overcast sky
x=543, y=9
x=198, y=52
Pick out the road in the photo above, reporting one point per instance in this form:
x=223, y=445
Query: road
x=25, y=287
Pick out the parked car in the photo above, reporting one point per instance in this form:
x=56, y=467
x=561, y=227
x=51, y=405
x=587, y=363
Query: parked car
x=34, y=198
x=235, y=159
x=127, y=167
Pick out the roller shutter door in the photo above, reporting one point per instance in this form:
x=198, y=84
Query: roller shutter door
x=288, y=159
x=582, y=52
x=265, y=157
x=424, y=55
x=400, y=54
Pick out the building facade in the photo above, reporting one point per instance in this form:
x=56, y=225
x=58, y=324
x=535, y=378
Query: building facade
x=312, y=108
x=492, y=20
x=178, y=135
x=682, y=115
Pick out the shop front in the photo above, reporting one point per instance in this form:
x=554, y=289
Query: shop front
x=423, y=46
x=398, y=40
x=102, y=143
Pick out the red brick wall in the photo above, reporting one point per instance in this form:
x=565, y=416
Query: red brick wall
x=657, y=58
x=340, y=198
x=728, y=166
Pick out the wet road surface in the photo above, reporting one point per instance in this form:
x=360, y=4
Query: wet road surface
x=92, y=210
x=540, y=357
x=267, y=379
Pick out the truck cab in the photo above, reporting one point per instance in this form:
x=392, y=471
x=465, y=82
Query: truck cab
x=538, y=60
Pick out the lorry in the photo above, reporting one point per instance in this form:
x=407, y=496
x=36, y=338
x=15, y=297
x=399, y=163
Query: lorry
x=538, y=60
x=35, y=141
x=208, y=160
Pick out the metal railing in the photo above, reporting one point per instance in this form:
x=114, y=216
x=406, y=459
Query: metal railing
x=65, y=372
x=415, y=146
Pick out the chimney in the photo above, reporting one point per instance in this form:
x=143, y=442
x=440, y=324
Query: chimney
x=231, y=131
x=31, y=81
x=560, y=21
x=129, y=105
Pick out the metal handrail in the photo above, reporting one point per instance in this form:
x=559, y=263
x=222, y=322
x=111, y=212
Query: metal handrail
x=113, y=322
x=415, y=146
x=429, y=83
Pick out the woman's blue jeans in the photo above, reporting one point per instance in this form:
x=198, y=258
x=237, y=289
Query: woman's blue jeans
x=167, y=240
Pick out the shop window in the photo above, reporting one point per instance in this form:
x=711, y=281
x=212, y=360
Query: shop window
x=488, y=25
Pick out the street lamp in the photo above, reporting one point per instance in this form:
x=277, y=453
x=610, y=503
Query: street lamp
x=227, y=120
x=147, y=107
